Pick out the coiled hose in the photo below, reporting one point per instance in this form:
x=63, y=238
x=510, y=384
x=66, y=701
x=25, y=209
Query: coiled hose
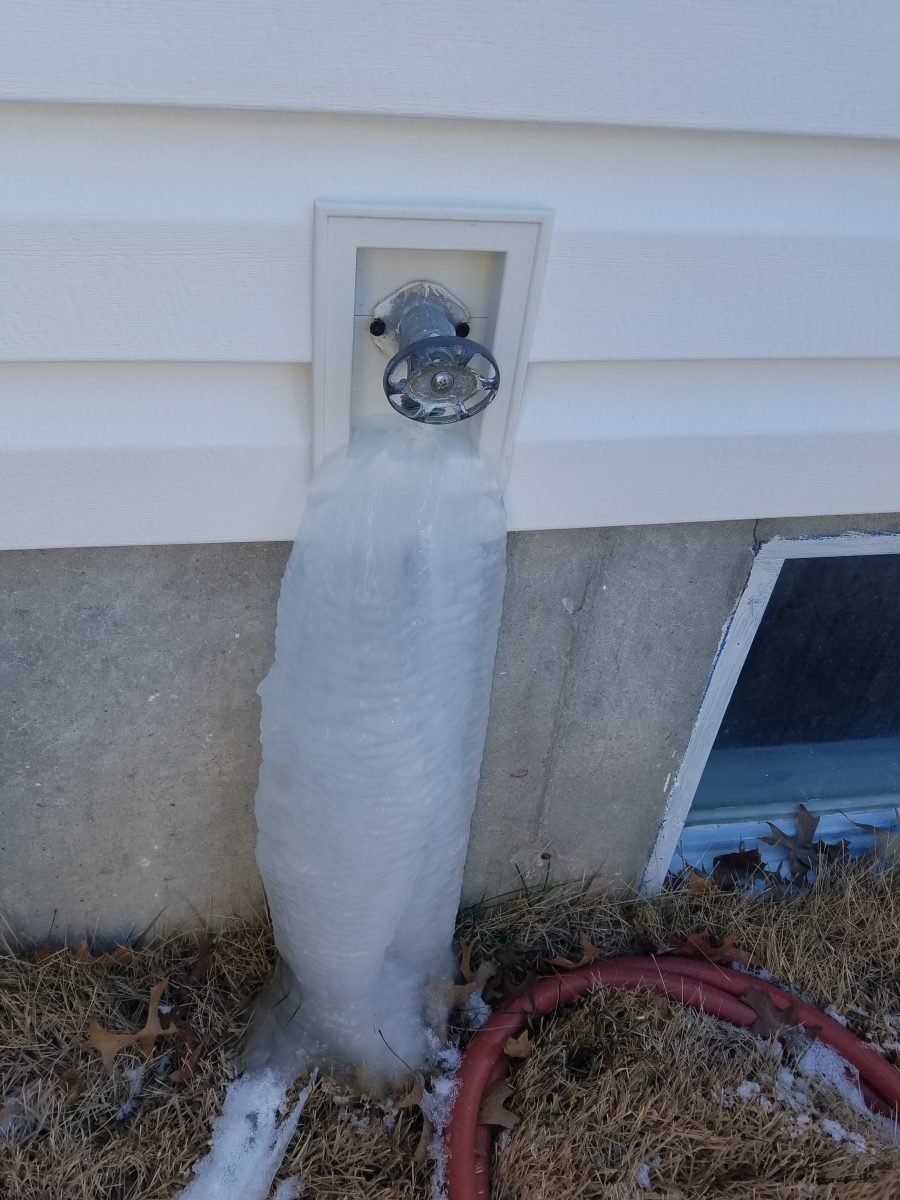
x=714, y=989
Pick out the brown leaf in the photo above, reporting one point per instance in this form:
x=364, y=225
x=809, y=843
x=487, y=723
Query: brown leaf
x=771, y=1019
x=699, y=881
x=203, y=962
x=493, y=1109
x=588, y=953
x=512, y=991
x=832, y=852
x=414, y=1096
x=737, y=867
x=500, y=987
x=152, y=1029
x=420, y=1157
x=109, y=1044
x=456, y=994
x=696, y=945
x=465, y=960
x=193, y=1049
x=70, y=1081
x=801, y=854
x=505, y=956
x=485, y=970
x=887, y=841
x=117, y=957
x=519, y=1047
x=120, y=956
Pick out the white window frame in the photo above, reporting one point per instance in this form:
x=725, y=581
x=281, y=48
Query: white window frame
x=737, y=638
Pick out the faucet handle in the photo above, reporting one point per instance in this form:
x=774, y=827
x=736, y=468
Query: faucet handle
x=441, y=379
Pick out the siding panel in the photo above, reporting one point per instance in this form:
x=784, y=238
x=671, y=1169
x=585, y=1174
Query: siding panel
x=717, y=335
x=147, y=235
x=107, y=454
x=242, y=291
x=773, y=66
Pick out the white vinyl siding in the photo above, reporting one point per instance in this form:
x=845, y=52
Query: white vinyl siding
x=780, y=66
x=717, y=334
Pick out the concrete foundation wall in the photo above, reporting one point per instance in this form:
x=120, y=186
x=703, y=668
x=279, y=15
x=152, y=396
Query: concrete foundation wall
x=129, y=744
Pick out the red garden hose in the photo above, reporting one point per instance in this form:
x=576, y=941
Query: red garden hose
x=714, y=989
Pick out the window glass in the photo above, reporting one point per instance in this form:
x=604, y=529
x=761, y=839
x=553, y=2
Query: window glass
x=815, y=715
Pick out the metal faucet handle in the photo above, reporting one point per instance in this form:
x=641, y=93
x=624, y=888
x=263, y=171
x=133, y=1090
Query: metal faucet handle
x=441, y=379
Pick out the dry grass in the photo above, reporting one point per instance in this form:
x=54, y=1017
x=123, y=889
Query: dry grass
x=623, y=1082
x=80, y=1150
x=633, y=1083
x=838, y=942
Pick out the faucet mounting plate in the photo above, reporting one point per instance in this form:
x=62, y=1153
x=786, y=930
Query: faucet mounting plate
x=362, y=253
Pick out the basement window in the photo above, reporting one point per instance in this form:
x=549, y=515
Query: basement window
x=802, y=708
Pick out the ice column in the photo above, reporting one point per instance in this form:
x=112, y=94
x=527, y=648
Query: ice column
x=373, y=725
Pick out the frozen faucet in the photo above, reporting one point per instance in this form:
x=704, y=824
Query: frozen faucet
x=436, y=373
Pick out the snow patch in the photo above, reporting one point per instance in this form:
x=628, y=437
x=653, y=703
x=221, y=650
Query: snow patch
x=135, y=1077
x=820, y=1061
x=437, y=1105
x=248, y=1142
x=835, y=1130
x=288, y=1189
x=476, y=1010
x=756, y=972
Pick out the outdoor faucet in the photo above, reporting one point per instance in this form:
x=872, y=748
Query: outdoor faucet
x=437, y=374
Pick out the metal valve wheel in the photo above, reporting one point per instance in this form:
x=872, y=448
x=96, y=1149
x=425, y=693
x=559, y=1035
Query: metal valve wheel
x=439, y=380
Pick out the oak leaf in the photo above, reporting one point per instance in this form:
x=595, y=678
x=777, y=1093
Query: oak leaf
x=493, y=1109
x=203, y=962
x=119, y=956
x=465, y=960
x=456, y=994
x=109, y=1044
x=588, y=953
x=887, y=841
x=193, y=1048
x=513, y=991
x=802, y=855
x=518, y=1047
x=500, y=984
x=696, y=945
x=70, y=1081
x=413, y=1097
x=486, y=970
x=699, y=881
x=420, y=1157
x=737, y=867
x=773, y=1020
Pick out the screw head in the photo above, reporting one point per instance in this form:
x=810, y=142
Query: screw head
x=462, y=329
x=442, y=381
x=377, y=327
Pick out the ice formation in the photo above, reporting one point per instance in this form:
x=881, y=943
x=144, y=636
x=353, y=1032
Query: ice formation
x=249, y=1142
x=373, y=725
